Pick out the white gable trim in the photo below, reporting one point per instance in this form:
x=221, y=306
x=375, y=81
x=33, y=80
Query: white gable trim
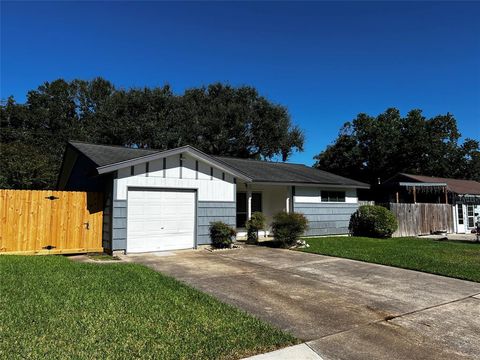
x=197, y=154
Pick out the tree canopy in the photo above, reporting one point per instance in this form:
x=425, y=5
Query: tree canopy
x=377, y=147
x=217, y=119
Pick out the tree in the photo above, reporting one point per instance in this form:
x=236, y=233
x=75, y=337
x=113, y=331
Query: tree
x=377, y=147
x=24, y=167
x=470, y=151
x=218, y=119
x=239, y=122
x=343, y=157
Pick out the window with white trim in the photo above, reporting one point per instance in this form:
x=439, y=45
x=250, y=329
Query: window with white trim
x=460, y=214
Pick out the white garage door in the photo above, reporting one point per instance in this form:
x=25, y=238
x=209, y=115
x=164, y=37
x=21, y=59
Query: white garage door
x=160, y=220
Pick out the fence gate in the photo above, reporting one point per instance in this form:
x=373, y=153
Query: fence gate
x=50, y=222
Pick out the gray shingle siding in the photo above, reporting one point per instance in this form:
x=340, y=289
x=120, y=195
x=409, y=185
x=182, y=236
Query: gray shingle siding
x=119, y=225
x=325, y=218
x=209, y=211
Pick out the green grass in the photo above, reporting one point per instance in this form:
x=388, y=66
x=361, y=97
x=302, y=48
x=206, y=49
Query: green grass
x=450, y=258
x=51, y=307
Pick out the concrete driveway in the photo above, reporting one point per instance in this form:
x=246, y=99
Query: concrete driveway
x=344, y=309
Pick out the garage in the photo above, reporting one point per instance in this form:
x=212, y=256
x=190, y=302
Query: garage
x=159, y=220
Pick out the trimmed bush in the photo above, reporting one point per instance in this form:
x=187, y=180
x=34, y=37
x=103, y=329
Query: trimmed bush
x=288, y=227
x=254, y=225
x=221, y=235
x=373, y=221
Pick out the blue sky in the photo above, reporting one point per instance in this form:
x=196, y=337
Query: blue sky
x=326, y=62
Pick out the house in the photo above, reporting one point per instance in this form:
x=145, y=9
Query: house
x=165, y=200
x=463, y=195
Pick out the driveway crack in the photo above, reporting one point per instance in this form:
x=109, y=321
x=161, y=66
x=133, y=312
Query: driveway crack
x=426, y=308
x=392, y=317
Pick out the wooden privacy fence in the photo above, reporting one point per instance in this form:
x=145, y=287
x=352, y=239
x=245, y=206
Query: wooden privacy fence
x=420, y=219
x=50, y=222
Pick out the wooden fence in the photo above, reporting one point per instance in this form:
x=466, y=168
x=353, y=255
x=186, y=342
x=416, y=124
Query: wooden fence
x=422, y=218
x=50, y=222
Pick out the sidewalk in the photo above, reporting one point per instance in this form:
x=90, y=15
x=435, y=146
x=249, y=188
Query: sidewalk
x=297, y=352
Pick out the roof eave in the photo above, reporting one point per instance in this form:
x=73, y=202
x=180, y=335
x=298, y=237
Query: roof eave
x=423, y=184
x=296, y=183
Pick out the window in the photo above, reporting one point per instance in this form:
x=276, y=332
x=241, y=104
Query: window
x=242, y=201
x=470, y=216
x=333, y=196
x=460, y=214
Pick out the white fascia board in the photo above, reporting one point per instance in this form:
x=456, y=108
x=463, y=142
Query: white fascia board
x=161, y=154
x=343, y=186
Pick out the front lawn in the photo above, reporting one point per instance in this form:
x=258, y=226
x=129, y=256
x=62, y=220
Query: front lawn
x=51, y=307
x=450, y=258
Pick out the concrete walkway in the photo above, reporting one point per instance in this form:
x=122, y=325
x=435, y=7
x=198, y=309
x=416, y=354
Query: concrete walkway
x=344, y=309
x=452, y=237
x=297, y=352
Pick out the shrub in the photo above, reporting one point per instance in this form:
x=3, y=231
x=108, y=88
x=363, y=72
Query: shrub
x=373, y=221
x=221, y=234
x=254, y=225
x=288, y=227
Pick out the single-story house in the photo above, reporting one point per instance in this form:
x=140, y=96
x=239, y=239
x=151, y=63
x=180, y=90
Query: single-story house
x=166, y=200
x=463, y=195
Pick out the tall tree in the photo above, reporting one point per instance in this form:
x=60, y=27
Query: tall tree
x=370, y=148
x=470, y=151
x=218, y=119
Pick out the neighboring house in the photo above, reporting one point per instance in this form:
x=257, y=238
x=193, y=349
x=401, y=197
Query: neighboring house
x=166, y=200
x=463, y=195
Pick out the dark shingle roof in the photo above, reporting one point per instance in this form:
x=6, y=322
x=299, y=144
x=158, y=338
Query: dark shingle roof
x=457, y=186
x=257, y=170
x=267, y=171
x=103, y=155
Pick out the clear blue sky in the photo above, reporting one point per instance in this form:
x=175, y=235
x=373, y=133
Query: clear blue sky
x=325, y=61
